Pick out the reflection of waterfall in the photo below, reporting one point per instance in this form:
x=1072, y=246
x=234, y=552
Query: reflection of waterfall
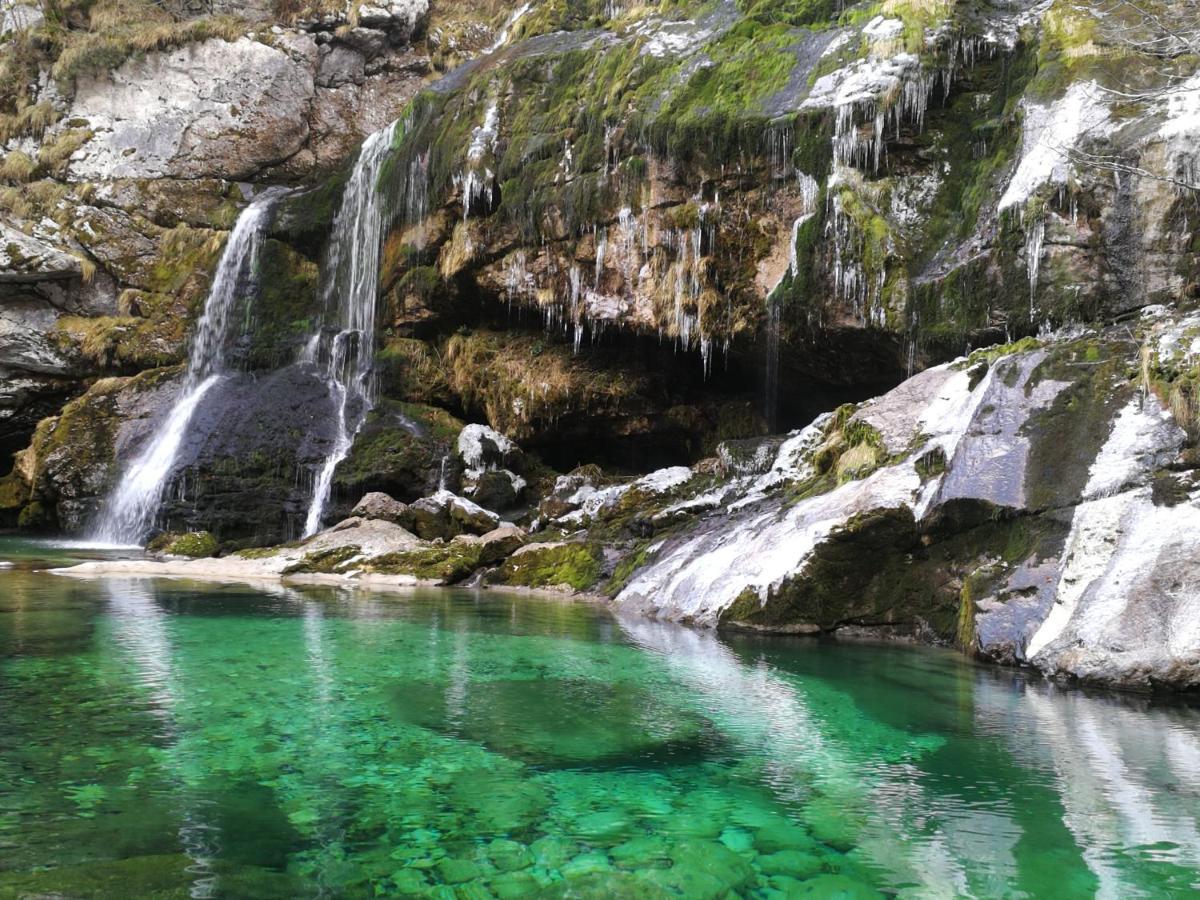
x=1126, y=777
x=351, y=285
x=771, y=719
x=142, y=629
x=129, y=512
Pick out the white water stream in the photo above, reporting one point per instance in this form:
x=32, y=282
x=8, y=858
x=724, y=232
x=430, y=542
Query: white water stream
x=129, y=512
x=353, y=266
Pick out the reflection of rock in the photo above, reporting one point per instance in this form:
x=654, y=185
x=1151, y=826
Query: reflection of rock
x=1128, y=776
x=559, y=722
x=812, y=759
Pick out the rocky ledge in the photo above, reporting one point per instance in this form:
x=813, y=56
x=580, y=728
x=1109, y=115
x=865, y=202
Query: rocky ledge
x=1036, y=504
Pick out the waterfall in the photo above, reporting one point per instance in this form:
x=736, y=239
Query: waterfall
x=351, y=285
x=1035, y=238
x=129, y=512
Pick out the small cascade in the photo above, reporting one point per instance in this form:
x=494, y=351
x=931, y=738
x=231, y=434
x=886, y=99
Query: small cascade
x=771, y=388
x=1035, y=238
x=351, y=286
x=129, y=512
x=506, y=30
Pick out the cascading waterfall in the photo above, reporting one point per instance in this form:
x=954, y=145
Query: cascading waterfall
x=129, y=512
x=347, y=358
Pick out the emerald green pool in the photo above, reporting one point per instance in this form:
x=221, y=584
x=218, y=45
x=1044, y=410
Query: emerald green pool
x=171, y=739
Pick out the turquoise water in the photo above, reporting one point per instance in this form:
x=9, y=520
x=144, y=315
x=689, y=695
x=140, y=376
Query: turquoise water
x=169, y=739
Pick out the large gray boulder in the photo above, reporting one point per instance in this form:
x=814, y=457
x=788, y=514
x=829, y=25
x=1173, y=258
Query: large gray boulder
x=215, y=108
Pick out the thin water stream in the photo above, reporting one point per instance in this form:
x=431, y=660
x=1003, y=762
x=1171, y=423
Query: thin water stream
x=128, y=514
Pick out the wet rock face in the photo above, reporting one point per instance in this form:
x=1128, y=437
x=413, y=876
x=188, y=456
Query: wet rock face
x=1031, y=505
x=240, y=472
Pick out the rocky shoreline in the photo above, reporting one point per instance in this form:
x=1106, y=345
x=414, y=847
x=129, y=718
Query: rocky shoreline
x=1033, y=505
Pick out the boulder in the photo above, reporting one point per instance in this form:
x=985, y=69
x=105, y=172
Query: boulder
x=500, y=543
x=481, y=448
x=400, y=18
x=1029, y=503
x=494, y=488
x=444, y=515
x=28, y=259
x=211, y=109
x=368, y=537
x=378, y=505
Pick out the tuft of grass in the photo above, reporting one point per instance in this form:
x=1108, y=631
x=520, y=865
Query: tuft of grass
x=32, y=120
x=17, y=167
x=54, y=154
x=121, y=30
x=13, y=200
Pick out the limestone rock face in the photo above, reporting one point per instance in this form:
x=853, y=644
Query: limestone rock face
x=1031, y=505
x=209, y=109
x=25, y=259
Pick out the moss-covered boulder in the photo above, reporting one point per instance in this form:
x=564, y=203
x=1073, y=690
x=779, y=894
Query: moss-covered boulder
x=405, y=450
x=194, y=545
x=576, y=566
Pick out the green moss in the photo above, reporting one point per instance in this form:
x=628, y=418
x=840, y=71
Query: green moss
x=286, y=309
x=1066, y=436
x=36, y=516
x=879, y=571
x=792, y=12
x=399, y=451
x=14, y=493
x=857, y=462
x=626, y=569
x=446, y=563
x=411, y=370
x=989, y=355
x=257, y=552
x=576, y=565
x=195, y=545
x=324, y=562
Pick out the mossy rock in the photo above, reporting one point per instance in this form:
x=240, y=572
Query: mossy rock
x=333, y=561
x=410, y=370
x=576, y=565
x=403, y=450
x=285, y=311
x=447, y=563
x=194, y=544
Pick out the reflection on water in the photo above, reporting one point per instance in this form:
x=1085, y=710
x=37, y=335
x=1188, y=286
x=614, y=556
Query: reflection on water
x=227, y=741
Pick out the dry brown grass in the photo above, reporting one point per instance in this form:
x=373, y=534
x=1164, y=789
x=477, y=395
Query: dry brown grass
x=53, y=155
x=30, y=120
x=17, y=167
x=123, y=29
x=14, y=201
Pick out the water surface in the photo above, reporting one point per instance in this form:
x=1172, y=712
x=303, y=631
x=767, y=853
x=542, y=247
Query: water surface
x=169, y=739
